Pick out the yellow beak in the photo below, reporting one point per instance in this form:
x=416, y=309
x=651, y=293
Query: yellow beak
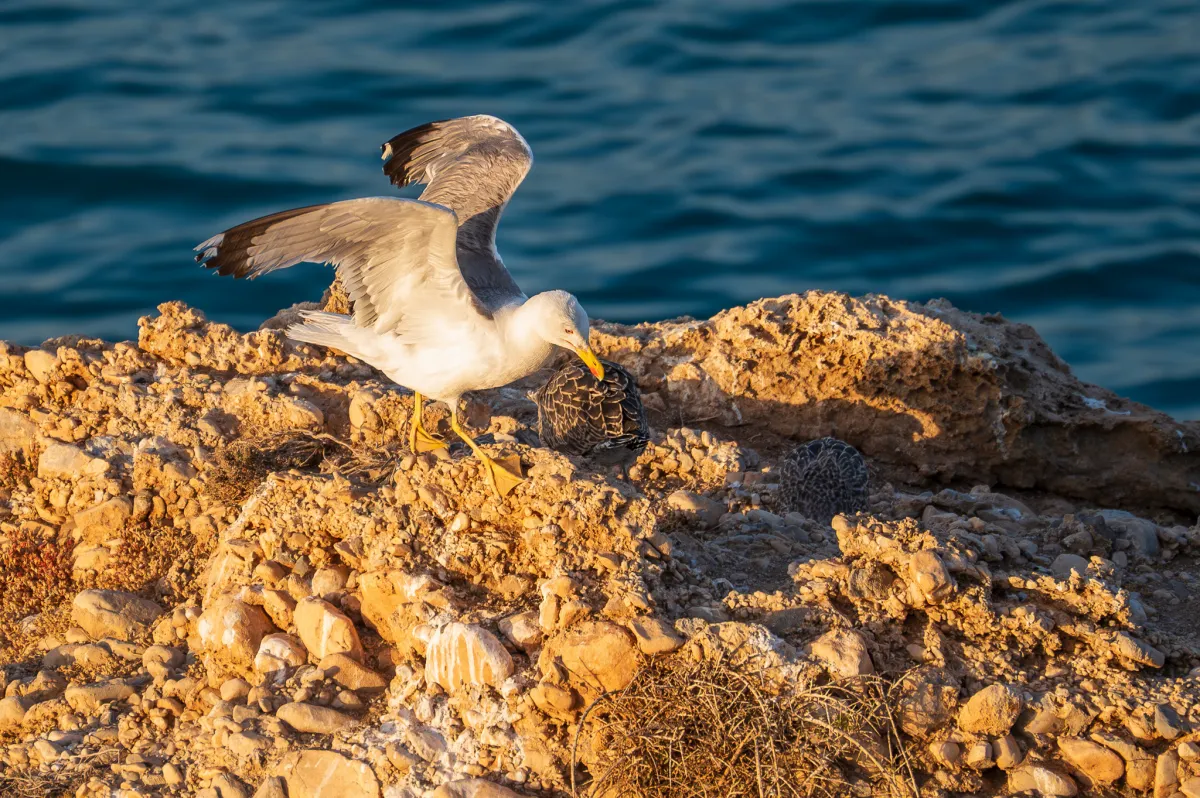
x=591, y=361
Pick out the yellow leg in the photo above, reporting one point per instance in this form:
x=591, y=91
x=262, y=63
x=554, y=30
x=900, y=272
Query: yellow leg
x=501, y=478
x=418, y=439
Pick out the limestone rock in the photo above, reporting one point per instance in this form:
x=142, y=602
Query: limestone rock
x=67, y=461
x=1041, y=780
x=87, y=698
x=1166, y=774
x=1066, y=564
x=326, y=774
x=844, y=652
x=41, y=364
x=595, y=654
x=103, y=520
x=459, y=655
x=279, y=652
x=386, y=591
x=930, y=576
x=1008, y=753
x=17, y=432
x=474, y=788
x=313, y=719
x=232, y=631
x=353, y=675
x=655, y=636
x=707, y=512
x=992, y=710
x=111, y=613
x=12, y=712
x=1091, y=759
x=523, y=629
x=326, y=630
x=272, y=787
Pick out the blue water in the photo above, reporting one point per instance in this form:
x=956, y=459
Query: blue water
x=1041, y=159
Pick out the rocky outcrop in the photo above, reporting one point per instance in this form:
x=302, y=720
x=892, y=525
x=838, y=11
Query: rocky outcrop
x=224, y=574
x=934, y=391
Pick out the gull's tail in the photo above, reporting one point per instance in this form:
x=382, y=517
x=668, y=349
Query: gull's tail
x=325, y=329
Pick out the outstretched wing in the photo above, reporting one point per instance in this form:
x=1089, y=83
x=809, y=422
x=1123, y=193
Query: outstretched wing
x=471, y=165
x=396, y=258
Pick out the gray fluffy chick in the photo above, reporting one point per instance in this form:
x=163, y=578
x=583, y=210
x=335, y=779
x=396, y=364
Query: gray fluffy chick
x=604, y=421
x=823, y=478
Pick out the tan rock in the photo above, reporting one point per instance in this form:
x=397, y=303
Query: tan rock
x=104, y=520
x=992, y=710
x=353, y=675
x=523, y=629
x=279, y=653
x=326, y=630
x=280, y=606
x=1008, y=753
x=946, y=752
x=705, y=511
x=927, y=700
x=41, y=364
x=160, y=661
x=17, y=432
x=1041, y=780
x=90, y=558
x=88, y=698
x=313, y=719
x=654, y=635
x=1166, y=774
x=1191, y=787
x=328, y=581
x=385, y=592
x=1093, y=760
x=844, y=652
x=247, y=744
x=474, y=788
x=12, y=713
x=979, y=755
x=111, y=613
x=595, y=654
x=232, y=630
x=69, y=462
x=233, y=690
x=326, y=774
x=272, y=787
x=459, y=655
x=931, y=577
x=1136, y=652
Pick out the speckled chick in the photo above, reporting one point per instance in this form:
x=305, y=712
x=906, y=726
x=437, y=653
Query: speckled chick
x=602, y=420
x=822, y=478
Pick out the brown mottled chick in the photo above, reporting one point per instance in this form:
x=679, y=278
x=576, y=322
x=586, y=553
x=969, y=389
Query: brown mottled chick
x=823, y=478
x=603, y=420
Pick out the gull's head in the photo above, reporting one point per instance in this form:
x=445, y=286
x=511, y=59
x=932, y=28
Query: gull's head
x=562, y=321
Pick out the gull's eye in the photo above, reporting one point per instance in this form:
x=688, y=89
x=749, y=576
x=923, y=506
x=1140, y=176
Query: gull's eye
x=567, y=330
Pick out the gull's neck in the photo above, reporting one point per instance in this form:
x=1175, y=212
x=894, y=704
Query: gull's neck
x=528, y=350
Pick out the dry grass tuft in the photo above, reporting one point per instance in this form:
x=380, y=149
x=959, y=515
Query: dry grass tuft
x=684, y=730
x=46, y=783
x=245, y=463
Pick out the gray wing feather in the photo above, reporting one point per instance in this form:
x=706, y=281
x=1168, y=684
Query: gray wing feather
x=471, y=165
x=396, y=258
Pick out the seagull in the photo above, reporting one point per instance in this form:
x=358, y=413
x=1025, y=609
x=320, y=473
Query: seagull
x=434, y=308
x=823, y=478
x=600, y=419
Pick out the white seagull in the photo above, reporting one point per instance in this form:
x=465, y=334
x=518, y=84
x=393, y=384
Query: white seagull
x=434, y=308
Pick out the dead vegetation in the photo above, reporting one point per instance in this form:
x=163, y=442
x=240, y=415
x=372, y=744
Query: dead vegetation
x=35, y=576
x=708, y=729
x=242, y=465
